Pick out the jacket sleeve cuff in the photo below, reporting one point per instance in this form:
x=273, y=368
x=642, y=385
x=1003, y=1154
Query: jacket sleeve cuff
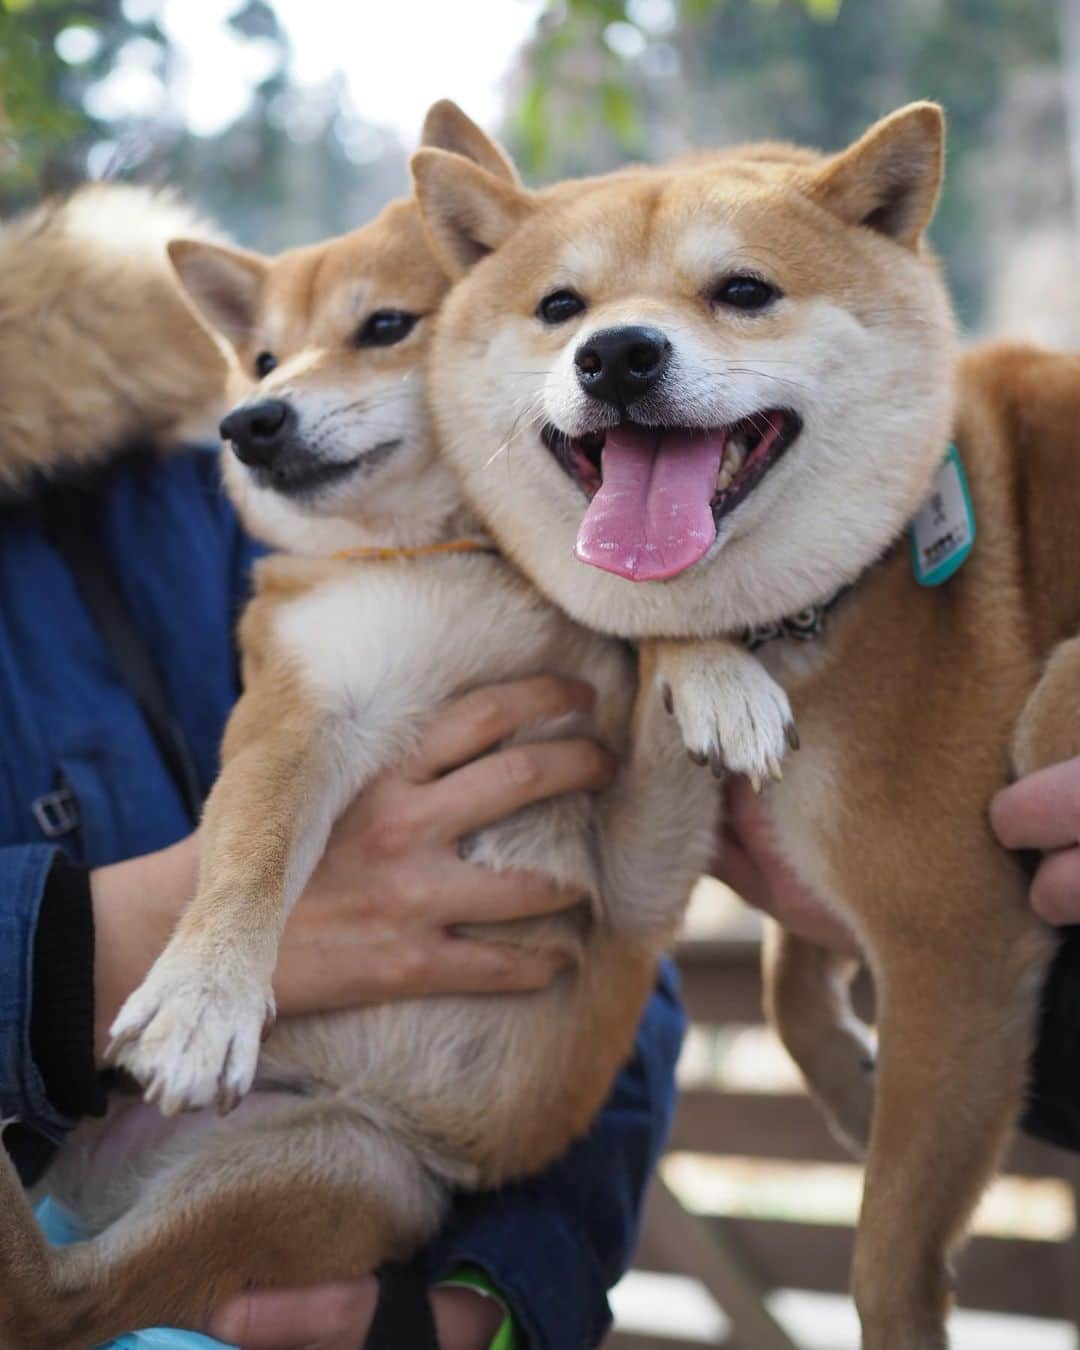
x=62, y=993
x=24, y=871
x=544, y=1272
x=1053, y=1105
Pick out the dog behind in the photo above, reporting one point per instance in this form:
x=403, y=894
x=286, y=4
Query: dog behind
x=742, y=386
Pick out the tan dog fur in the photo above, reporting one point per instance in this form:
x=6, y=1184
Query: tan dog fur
x=914, y=705
x=97, y=346
x=361, y=1122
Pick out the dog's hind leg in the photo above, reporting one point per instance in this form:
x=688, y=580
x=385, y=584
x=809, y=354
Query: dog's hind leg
x=315, y=1196
x=808, y=1002
x=956, y=1024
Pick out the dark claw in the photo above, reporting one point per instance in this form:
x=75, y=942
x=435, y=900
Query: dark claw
x=227, y=1097
x=227, y=1101
x=698, y=758
x=667, y=696
x=717, y=765
x=126, y=1038
x=791, y=731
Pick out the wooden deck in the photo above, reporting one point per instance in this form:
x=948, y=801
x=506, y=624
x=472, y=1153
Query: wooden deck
x=741, y=1258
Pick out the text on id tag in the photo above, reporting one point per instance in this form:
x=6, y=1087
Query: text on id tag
x=943, y=531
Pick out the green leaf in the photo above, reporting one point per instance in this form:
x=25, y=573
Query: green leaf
x=620, y=112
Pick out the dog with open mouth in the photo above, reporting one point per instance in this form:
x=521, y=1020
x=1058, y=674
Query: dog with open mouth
x=715, y=407
x=351, y=1130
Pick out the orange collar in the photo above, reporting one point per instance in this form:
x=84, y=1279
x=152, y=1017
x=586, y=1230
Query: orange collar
x=374, y=553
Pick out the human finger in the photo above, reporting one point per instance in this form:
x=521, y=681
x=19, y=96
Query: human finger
x=471, y=893
x=329, y=1316
x=464, y=965
x=1055, y=890
x=1041, y=810
x=483, y=718
x=496, y=785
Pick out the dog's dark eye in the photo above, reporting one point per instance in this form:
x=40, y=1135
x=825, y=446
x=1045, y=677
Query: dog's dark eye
x=744, y=292
x=384, y=328
x=560, y=306
x=265, y=362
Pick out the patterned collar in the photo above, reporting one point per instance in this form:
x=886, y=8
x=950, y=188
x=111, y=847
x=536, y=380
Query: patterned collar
x=805, y=626
x=808, y=623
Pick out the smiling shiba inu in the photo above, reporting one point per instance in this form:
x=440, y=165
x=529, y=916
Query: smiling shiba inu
x=717, y=395
x=360, y=1123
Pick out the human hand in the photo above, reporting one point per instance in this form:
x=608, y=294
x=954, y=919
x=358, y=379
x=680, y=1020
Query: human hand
x=1042, y=811
x=750, y=863
x=377, y=919
x=338, y=1317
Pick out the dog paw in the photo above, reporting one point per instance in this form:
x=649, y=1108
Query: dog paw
x=190, y=1036
x=732, y=714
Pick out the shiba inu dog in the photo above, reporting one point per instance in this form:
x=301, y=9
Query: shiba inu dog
x=360, y=1123
x=98, y=349
x=721, y=392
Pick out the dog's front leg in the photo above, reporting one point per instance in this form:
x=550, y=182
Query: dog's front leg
x=657, y=823
x=732, y=713
x=191, y=1032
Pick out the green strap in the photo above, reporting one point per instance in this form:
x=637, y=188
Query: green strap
x=472, y=1277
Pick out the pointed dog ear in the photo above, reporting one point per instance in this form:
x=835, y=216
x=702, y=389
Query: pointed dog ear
x=224, y=284
x=446, y=127
x=890, y=178
x=466, y=211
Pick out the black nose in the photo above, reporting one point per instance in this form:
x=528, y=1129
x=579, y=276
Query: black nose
x=259, y=431
x=619, y=365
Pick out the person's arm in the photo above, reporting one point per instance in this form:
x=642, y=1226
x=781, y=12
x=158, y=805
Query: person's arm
x=41, y=895
x=376, y=922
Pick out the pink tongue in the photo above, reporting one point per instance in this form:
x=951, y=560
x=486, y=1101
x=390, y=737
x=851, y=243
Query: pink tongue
x=652, y=517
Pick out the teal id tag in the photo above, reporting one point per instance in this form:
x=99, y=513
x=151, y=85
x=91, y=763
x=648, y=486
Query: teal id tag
x=943, y=532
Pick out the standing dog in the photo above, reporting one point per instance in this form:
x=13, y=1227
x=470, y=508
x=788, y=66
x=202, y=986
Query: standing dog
x=743, y=387
x=361, y=1122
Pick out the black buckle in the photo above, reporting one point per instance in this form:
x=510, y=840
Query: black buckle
x=57, y=813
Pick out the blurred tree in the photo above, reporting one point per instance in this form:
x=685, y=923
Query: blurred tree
x=587, y=63
x=51, y=53
x=294, y=165
x=604, y=80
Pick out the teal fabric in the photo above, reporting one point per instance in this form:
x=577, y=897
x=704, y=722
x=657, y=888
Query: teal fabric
x=59, y=1229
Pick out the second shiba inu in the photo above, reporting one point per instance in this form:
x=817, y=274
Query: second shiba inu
x=727, y=389
x=386, y=601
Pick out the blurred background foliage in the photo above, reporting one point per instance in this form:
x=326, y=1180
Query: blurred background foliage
x=594, y=83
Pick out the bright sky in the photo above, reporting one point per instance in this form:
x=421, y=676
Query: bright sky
x=397, y=57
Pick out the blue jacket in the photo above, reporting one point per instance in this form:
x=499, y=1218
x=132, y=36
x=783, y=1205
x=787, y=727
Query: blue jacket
x=67, y=723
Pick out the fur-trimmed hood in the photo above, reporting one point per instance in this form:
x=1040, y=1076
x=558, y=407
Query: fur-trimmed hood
x=98, y=347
